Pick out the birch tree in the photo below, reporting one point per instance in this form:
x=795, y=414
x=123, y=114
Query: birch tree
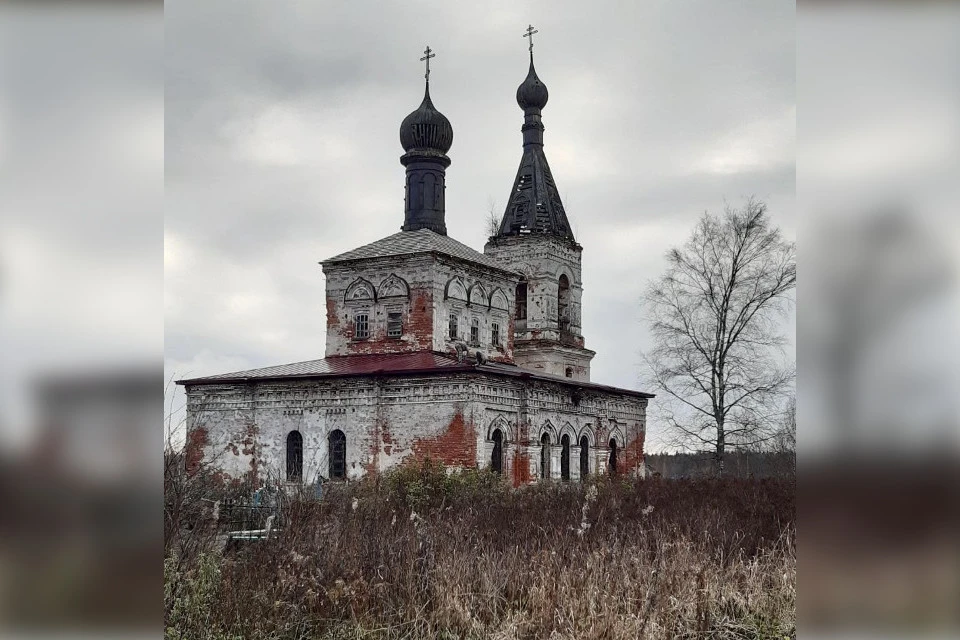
x=717, y=361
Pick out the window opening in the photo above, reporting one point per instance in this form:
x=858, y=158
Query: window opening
x=584, y=457
x=496, y=462
x=522, y=301
x=565, y=458
x=613, y=457
x=294, y=456
x=475, y=332
x=337, y=454
x=495, y=334
x=453, y=326
x=563, y=302
x=394, y=325
x=545, y=456
x=361, y=325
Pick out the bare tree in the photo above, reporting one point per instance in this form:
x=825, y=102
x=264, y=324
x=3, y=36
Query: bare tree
x=493, y=219
x=714, y=320
x=786, y=438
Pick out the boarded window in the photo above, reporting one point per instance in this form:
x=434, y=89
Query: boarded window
x=545, y=456
x=294, y=456
x=522, y=301
x=475, y=332
x=495, y=334
x=613, y=457
x=496, y=461
x=361, y=325
x=394, y=324
x=454, y=332
x=337, y=454
x=565, y=458
x=584, y=457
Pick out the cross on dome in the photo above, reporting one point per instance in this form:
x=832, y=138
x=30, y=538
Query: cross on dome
x=529, y=34
x=428, y=53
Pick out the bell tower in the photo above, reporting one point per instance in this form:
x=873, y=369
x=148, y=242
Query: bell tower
x=536, y=240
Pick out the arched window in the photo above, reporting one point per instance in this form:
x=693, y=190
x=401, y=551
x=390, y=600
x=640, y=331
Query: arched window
x=294, y=456
x=563, y=302
x=613, y=457
x=584, y=457
x=545, y=456
x=337, y=454
x=565, y=458
x=496, y=461
x=522, y=300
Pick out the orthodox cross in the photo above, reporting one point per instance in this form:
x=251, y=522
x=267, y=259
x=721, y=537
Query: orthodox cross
x=428, y=53
x=529, y=34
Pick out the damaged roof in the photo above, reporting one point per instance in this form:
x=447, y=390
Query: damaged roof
x=419, y=241
x=397, y=364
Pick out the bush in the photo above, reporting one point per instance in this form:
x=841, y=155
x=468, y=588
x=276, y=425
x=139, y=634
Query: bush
x=423, y=553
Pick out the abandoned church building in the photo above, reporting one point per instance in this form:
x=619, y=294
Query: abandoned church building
x=435, y=350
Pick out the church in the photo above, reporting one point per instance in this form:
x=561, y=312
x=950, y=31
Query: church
x=435, y=350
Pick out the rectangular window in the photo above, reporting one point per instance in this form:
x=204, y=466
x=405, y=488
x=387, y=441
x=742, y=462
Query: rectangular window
x=394, y=325
x=453, y=326
x=361, y=326
x=495, y=334
x=475, y=332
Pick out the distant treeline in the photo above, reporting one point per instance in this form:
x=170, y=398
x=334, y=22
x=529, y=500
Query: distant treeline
x=739, y=464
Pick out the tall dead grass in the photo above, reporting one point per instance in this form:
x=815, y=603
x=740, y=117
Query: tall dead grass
x=419, y=553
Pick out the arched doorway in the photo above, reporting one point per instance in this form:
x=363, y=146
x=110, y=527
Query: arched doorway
x=496, y=461
x=337, y=454
x=613, y=457
x=294, y=456
x=584, y=457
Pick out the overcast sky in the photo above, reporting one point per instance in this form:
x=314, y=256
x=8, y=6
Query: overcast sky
x=282, y=149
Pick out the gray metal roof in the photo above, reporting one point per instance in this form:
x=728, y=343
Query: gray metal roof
x=356, y=365
x=419, y=241
x=396, y=364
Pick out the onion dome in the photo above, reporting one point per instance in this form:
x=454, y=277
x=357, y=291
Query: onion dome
x=426, y=129
x=532, y=94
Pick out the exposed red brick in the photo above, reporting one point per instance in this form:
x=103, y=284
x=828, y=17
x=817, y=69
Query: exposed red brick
x=521, y=469
x=633, y=453
x=197, y=439
x=417, y=323
x=455, y=447
x=333, y=320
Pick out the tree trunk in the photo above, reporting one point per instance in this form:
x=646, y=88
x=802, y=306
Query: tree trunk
x=719, y=453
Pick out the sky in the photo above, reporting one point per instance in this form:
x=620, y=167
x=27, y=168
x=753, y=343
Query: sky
x=282, y=149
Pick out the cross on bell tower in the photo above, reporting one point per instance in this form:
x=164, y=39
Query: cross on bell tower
x=529, y=34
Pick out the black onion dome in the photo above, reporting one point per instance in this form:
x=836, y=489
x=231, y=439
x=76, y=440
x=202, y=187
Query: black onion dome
x=426, y=128
x=532, y=94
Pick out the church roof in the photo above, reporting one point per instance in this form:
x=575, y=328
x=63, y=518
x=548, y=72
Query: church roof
x=534, y=204
x=340, y=366
x=419, y=241
x=417, y=362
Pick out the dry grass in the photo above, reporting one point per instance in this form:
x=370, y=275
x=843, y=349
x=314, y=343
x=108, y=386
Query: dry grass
x=419, y=554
